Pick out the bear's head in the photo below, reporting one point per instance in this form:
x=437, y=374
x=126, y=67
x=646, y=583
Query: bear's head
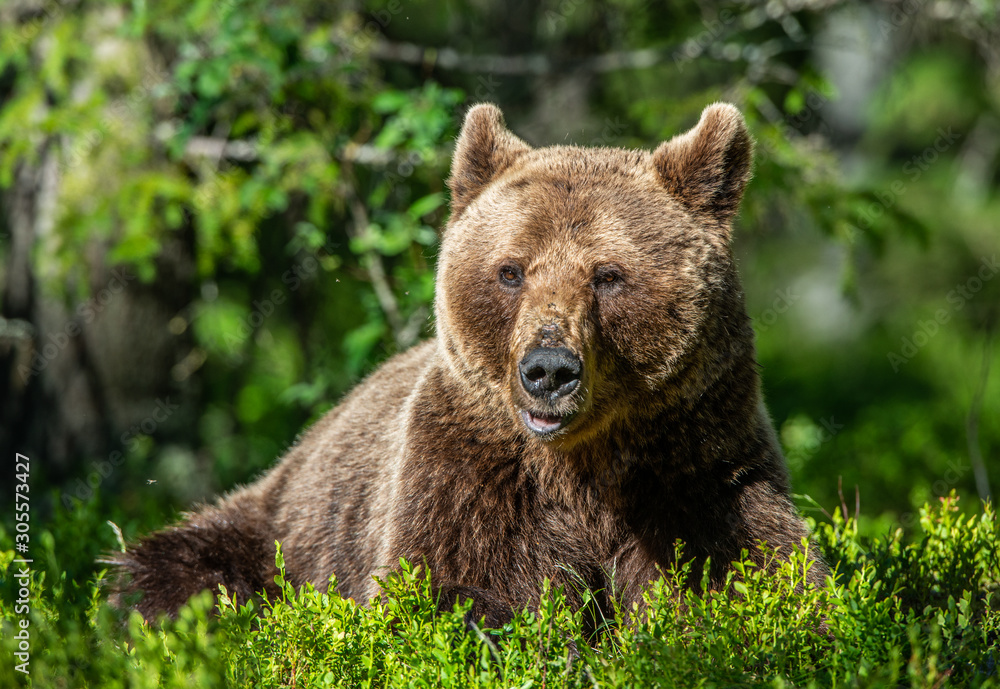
x=580, y=288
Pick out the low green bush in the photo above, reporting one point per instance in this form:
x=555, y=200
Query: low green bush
x=920, y=612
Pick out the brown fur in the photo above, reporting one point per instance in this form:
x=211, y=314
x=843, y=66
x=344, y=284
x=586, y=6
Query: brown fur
x=429, y=458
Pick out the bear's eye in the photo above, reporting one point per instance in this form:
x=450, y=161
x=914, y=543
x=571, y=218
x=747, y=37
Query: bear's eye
x=607, y=277
x=510, y=276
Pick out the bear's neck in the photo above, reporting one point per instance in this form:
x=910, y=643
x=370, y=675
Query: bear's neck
x=723, y=431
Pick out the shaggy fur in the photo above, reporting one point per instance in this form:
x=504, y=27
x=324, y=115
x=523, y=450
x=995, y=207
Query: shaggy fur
x=620, y=257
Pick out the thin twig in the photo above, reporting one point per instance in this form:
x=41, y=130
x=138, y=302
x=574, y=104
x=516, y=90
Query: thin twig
x=16, y=329
x=972, y=423
x=840, y=492
x=217, y=149
x=376, y=269
x=414, y=324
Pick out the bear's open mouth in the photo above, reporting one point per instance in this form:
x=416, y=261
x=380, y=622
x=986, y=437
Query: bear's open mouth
x=542, y=424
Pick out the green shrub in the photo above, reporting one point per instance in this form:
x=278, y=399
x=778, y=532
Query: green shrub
x=924, y=613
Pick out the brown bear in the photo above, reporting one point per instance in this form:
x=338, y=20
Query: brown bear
x=592, y=396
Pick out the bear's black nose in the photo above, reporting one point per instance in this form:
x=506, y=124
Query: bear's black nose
x=550, y=372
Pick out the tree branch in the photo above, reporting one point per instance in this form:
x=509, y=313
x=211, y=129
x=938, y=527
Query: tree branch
x=972, y=424
x=376, y=270
x=245, y=151
x=534, y=63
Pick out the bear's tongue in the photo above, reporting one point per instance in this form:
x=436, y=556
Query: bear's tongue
x=541, y=423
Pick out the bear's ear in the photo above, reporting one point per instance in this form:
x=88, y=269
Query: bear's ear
x=485, y=149
x=708, y=167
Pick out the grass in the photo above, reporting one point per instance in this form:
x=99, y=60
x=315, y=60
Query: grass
x=923, y=612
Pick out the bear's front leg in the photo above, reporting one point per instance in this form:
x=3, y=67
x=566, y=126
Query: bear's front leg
x=765, y=515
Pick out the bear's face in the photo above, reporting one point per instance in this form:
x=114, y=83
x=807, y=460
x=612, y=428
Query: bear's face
x=576, y=282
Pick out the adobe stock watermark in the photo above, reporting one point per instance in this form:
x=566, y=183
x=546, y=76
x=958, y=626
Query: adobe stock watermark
x=486, y=87
x=84, y=488
x=610, y=133
x=302, y=271
x=902, y=13
x=28, y=31
x=957, y=299
x=913, y=169
x=118, y=115
x=792, y=124
x=941, y=489
x=409, y=161
x=816, y=437
x=612, y=474
x=22, y=575
x=555, y=19
x=784, y=299
x=263, y=308
x=218, y=180
x=372, y=30
x=714, y=29
x=86, y=312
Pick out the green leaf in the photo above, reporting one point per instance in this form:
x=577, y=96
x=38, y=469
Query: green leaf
x=426, y=204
